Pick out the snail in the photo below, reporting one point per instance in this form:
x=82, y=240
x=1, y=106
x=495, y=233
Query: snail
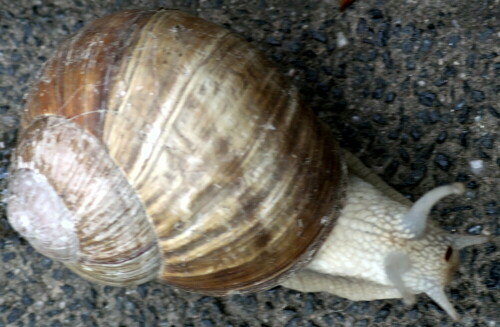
x=157, y=145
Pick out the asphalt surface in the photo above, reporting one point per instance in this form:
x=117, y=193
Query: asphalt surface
x=411, y=87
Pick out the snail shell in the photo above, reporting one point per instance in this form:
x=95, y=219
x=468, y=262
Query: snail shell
x=158, y=145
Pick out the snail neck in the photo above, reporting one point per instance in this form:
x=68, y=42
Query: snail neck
x=414, y=221
x=378, y=249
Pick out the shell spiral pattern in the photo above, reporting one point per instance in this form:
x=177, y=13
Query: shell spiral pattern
x=202, y=167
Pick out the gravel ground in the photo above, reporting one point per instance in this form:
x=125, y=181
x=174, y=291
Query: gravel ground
x=410, y=86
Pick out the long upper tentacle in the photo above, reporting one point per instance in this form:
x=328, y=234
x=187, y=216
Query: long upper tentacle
x=415, y=220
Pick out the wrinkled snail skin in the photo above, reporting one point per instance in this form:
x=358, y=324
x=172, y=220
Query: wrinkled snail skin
x=373, y=254
x=158, y=145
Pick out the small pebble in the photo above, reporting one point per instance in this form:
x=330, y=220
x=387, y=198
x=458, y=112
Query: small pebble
x=389, y=97
x=442, y=136
x=476, y=229
x=341, y=40
x=375, y=14
x=486, y=141
x=428, y=99
x=476, y=166
x=477, y=96
x=453, y=40
x=442, y=161
x=425, y=46
x=8, y=256
x=68, y=290
x=14, y=315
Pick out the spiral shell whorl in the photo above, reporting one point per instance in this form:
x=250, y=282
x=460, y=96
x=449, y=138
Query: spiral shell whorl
x=233, y=172
x=96, y=209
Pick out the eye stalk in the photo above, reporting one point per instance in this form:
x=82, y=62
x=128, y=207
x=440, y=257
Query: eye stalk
x=415, y=220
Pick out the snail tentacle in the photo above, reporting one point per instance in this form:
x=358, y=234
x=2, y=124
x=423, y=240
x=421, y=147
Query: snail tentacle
x=415, y=220
x=463, y=241
x=396, y=265
x=436, y=293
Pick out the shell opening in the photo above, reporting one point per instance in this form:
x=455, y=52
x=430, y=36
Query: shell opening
x=415, y=220
x=37, y=212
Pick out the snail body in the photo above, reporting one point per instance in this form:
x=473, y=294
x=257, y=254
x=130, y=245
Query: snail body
x=158, y=145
